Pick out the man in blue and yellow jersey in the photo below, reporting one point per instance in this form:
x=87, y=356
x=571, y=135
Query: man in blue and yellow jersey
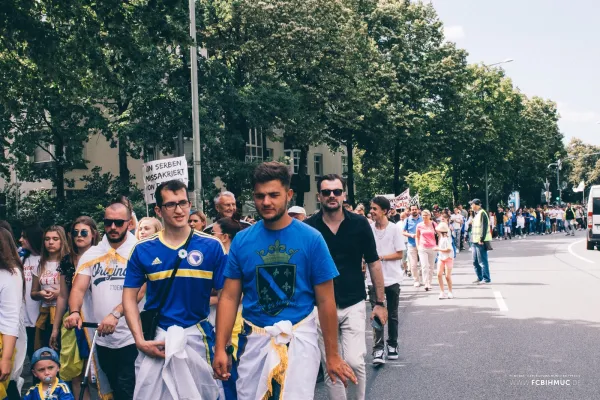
x=183, y=370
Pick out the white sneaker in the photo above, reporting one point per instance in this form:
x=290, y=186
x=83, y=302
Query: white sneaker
x=442, y=296
x=450, y=295
x=417, y=284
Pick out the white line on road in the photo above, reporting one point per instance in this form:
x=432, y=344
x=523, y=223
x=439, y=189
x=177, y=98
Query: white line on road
x=577, y=255
x=500, y=300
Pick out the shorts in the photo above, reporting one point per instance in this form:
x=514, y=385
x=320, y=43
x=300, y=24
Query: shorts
x=447, y=263
x=552, y=221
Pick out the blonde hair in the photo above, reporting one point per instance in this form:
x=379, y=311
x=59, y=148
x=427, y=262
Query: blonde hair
x=64, y=247
x=155, y=223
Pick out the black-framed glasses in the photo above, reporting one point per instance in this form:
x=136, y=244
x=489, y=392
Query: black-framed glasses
x=172, y=205
x=327, y=192
x=83, y=233
x=118, y=222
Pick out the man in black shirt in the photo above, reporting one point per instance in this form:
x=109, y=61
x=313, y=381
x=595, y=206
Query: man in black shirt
x=350, y=239
x=500, y=223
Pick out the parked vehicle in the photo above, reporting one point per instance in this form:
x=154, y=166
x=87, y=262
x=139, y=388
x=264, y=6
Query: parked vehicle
x=593, y=218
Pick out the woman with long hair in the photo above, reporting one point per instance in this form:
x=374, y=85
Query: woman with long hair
x=32, y=237
x=46, y=282
x=84, y=234
x=11, y=303
x=426, y=244
x=197, y=221
x=147, y=227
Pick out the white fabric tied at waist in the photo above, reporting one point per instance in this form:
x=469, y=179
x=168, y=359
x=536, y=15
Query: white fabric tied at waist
x=299, y=361
x=185, y=371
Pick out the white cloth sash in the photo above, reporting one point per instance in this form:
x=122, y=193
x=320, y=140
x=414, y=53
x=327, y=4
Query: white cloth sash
x=267, y=356
x=184, y=374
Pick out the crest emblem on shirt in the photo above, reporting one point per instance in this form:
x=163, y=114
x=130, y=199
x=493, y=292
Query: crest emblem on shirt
x=276, y=278
x=195, y=258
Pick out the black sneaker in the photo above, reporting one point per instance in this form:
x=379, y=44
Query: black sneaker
x=378, y=357
x=392, y=352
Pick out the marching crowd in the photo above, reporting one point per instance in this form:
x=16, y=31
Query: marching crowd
x=236, y=309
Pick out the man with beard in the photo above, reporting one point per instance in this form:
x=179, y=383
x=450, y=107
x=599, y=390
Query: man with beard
x=174, y=360
x=283, y=269
x=226, y=208
x=350, y=240
x=103, y=268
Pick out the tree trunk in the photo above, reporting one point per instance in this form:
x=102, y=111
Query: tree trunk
x=455, y=194
x=397, y=167
x=124, y=174
x=350, y=183
x=302, y=176
x=59, y=179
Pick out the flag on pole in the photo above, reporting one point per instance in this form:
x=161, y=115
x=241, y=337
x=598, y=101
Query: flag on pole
x=414, y=201
x=579, y=188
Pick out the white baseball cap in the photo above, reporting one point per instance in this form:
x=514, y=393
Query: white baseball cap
x=297, y=210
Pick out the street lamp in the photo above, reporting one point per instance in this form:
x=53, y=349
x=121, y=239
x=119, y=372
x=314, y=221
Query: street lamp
x=195, y=109
x=558, y=165
x=487, y=186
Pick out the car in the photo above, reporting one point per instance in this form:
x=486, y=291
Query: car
x=593, y=218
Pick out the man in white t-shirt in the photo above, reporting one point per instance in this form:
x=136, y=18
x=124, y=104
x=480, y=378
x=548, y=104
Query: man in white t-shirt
x=390, y=248
x=103, y=268
x=457, y=221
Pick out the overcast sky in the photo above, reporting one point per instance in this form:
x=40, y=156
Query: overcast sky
x=555, y=46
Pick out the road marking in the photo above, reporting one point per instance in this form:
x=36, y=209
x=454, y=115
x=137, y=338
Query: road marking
x=500, y=300
x=577, y=255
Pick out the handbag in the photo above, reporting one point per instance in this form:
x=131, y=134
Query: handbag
x=488, y=246
x=150, y=318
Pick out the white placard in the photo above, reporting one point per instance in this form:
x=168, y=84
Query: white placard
x=159, y=171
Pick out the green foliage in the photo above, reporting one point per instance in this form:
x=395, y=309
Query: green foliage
x=433, y=187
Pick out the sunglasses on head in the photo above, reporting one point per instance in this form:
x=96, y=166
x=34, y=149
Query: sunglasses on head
x=83, y=233
x=118, y=222
x=327, y=192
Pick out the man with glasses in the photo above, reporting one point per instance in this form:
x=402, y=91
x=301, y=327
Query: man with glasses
x=350, y=239
x=103, y=268
x=183, y=326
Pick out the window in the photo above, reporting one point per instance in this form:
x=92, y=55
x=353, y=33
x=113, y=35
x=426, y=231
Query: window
x=40, y=155
x=344, y=165
x=269, y=154
x=149, y=154
x=318, y=203
x=318, y=164
x=254, y=145
x=294, y=156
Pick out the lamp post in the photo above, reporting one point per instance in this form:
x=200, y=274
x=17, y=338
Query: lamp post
x=487, y=186
x=195, y=112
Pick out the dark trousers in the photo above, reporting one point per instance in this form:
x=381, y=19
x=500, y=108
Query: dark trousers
x=119, y=367
x=392, y=296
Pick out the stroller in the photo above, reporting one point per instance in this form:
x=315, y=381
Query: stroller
x=86, y=379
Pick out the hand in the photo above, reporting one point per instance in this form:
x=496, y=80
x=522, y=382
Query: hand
x=72, y=321
x=5, y=369
x=54, y=339
x=381, y=313
x=152, y=348
x=480, y=243
x=108, y=325
x=221, y=365
x=44, y=294
x=53, y=294
x=338, y=367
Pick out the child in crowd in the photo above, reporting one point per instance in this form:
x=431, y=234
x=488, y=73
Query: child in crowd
x=45, y=367
x=446, y=253
x=507, y=227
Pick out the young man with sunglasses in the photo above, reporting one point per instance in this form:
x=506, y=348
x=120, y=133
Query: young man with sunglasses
x=350, y=239
x=103, y=268
x=183, y=327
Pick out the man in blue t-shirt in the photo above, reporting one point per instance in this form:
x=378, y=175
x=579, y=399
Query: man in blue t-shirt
x=183, y=319
x=283, y=268
x=410, y=231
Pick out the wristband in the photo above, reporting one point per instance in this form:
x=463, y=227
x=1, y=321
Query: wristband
x=379, y=303
x=74, y=312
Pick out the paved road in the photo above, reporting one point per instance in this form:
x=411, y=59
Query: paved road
x=538, y=320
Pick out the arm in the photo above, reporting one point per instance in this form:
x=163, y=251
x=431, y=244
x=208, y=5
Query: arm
x=418, y=237
x=36, y=290
x=393, y=256
x=377, y=278
x=61, y=308
x=325, y=300
x=8, y=342
x=152, y=348
x=81, y=283
x=486, y=225
x=229, y=301
x=110, y=322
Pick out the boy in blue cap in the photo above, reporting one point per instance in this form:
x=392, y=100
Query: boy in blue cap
x=45, y=367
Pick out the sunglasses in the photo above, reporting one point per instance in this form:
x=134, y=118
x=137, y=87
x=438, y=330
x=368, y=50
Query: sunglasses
x=172, y=205
x=83, y=233
x=118, y=222
x=327, y=192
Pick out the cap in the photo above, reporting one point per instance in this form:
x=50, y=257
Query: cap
x=297, y=210
x=477, y=202
x=45, y=353
x=442, y=227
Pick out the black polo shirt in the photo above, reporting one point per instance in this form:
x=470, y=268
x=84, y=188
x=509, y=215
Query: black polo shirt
x=353, y=242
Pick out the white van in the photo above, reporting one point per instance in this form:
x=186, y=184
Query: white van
x=593, y=218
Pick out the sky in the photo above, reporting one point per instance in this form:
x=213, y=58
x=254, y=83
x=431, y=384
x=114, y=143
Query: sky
x=555, y=46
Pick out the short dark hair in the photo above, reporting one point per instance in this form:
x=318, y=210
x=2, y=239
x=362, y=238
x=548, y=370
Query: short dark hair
x=382, y=202
x=172, y=186
x=272, y=171
x=330, y=177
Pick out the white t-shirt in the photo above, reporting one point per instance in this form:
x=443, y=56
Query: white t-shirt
x=445, y=243
x=389, y=241
x=559, y=214
x=457, y=220
x=11, y=301
x=402, y=224
x=50, y=279
x=520, y=221
x=32, y=307
x=107, y=290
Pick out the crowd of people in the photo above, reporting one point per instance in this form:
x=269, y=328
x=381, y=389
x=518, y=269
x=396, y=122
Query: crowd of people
x=236, y=309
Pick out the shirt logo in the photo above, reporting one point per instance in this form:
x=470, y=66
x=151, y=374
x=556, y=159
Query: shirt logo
x=195, y=258
x=156, y=261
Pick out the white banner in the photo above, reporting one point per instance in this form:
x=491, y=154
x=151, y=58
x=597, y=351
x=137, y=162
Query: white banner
x=159, y=171
x=402, y=200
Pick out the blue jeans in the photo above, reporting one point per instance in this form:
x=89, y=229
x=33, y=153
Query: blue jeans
x=501, y=229
x=480, y=262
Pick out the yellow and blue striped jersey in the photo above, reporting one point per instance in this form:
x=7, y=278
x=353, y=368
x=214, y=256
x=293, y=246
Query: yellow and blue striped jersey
x=58, y=391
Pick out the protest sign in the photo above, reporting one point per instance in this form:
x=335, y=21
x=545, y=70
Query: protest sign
x=159, y=171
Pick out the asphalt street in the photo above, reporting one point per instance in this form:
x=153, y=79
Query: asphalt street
x=537, y=322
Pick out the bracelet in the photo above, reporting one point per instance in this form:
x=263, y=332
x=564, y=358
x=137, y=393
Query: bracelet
x=74, y=312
